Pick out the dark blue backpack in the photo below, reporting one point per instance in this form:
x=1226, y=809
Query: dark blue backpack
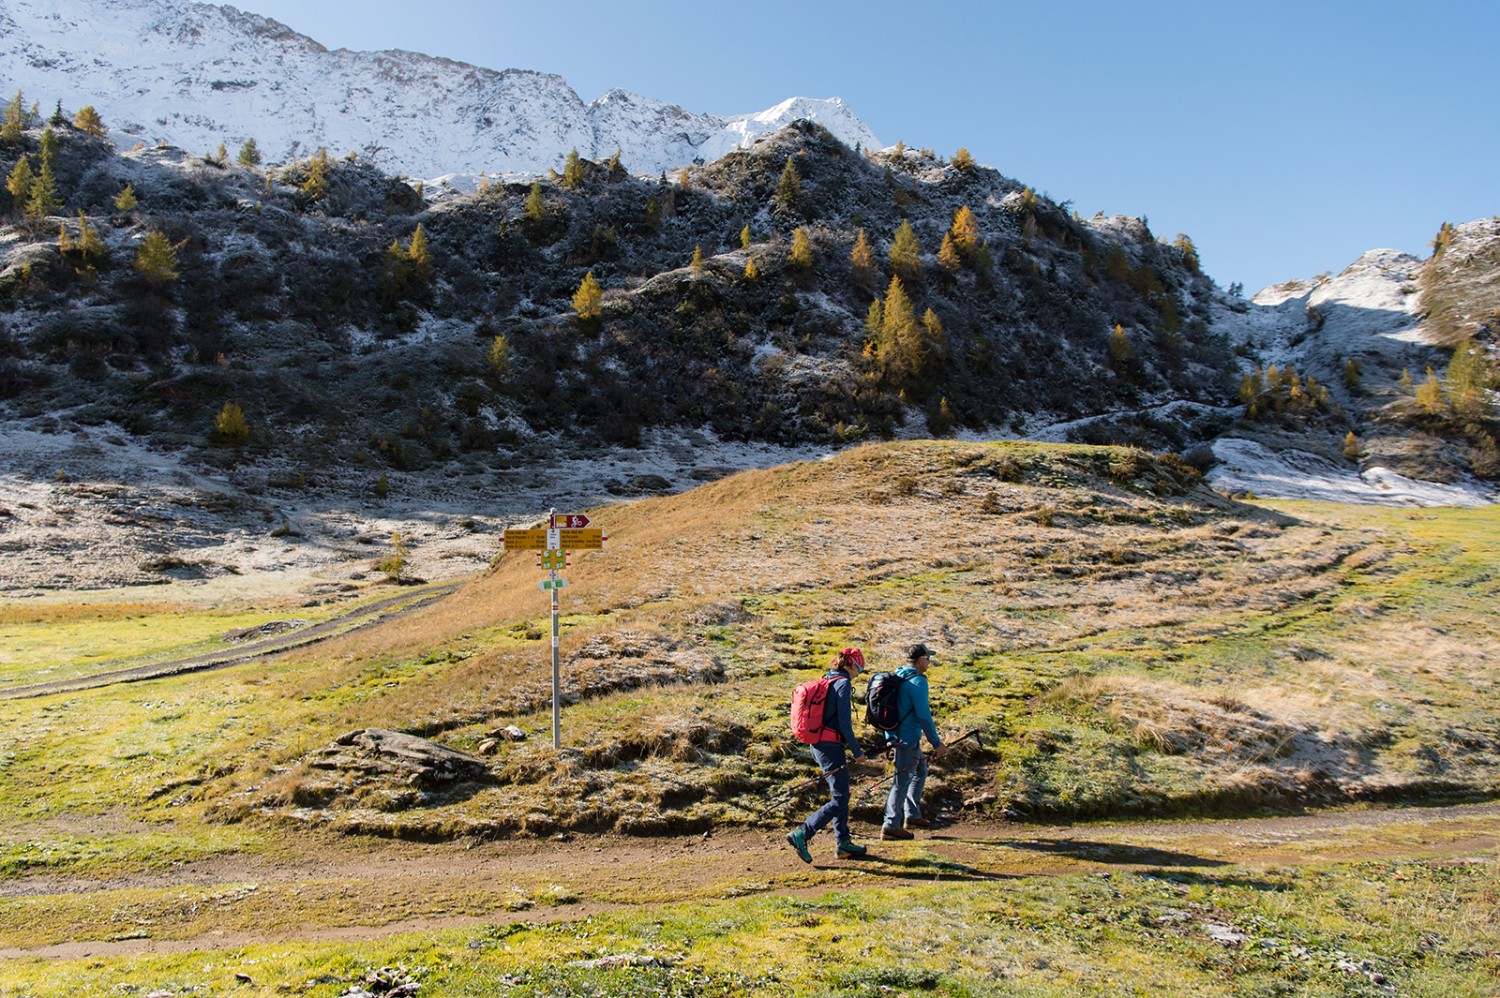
x=883, y=701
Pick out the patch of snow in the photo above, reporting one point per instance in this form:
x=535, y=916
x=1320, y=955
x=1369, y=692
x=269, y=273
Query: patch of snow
x=1247, y=466
x=197, y=75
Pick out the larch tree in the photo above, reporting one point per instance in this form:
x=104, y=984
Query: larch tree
x=874, y=321
x=316, y=184
x=1430, y=396
x=965, y=230
x=1121, y=353
x=588, y=301
x=230, y=426
x=19, y=183
x=419, y=257
x=15, y=120
x=42, y=199
x=47, y=148
x=905, y=254
x=862, y=258
x=249, y=156
x=752, y=272
x=899, y=351
x=745, y=237
x=572, y=175
x=947, y=256
x=156, y=259
x=535, y=211
x=963, y=161
x=126, y=200
x=801, y=256
x=789, y=189
x=87, y=120
x=1189, y=251
x=498, y=357
x=697, y=262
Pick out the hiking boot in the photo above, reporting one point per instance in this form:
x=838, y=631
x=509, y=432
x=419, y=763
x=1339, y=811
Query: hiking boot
x=850, y=850
x=918, y=823
x=798, y=841
x=890, y=832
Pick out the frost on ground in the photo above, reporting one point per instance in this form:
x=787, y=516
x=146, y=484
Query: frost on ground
x=91, y=508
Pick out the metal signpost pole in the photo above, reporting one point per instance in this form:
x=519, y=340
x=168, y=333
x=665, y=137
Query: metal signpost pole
x=553, y=544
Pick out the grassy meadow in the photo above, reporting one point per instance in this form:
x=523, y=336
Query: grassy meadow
x=1133, y=645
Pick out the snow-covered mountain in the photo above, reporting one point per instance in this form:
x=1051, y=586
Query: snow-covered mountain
x=197, y=75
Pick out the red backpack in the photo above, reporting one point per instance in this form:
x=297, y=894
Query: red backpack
x=809, y=703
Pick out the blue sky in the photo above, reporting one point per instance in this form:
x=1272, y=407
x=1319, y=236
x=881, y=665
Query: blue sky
x=1284, y=138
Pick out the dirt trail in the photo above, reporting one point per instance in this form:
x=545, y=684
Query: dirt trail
x=611, y=873
x=354, y=619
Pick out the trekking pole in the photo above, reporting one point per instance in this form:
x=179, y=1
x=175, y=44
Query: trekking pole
x=974, y=733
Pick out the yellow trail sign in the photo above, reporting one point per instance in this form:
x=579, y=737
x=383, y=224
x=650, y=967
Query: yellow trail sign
x=590, y=539
x=533, y=539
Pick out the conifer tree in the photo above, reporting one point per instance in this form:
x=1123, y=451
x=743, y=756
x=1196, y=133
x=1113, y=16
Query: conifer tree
x=58, y=119
x=156, y=260
x=572, y=175
x=875, y=321
x=801, y=256
x=588, y=301
x=15, y=121
x=47, y=148
x=789, y=190
x=862, y=258
x=963, y=161
x=1405, y=381
x=249, y=156
x=419, y=257
x=934, y=339
x=19, y=183
x=1189, y=251
x=905, y=254
x=1120, y=350
x=535, y=211
x=752, y=272
x=316, y=184
x=126, y=200
x=653, y=213
x=395, y=273
x=1351, y=374
x=42, y=200
x=88, y=246
x=87, y=120
x=965, y=231
x=1351, y=446
x=697, y=262
x=1430, y=396
x=221, y=157
x=745, y=236
x=498, y=356
x=685, y=179
x=948, y=256
x=230, y=425
x=899, y=351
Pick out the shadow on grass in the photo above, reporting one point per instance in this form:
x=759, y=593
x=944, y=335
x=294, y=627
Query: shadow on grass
x=1113, y=852
x=918, y=868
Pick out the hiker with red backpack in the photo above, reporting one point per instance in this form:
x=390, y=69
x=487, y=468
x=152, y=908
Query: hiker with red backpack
x=903, y=807
x=821, y=718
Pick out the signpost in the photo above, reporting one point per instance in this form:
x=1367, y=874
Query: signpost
x=563, y=534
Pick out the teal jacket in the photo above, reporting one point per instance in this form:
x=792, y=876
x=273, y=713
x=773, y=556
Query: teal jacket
x=916, y=712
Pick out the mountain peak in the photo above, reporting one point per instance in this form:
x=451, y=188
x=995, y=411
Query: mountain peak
x=197, y=75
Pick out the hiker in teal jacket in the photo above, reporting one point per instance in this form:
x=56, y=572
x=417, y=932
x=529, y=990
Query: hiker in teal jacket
x=903, y=808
